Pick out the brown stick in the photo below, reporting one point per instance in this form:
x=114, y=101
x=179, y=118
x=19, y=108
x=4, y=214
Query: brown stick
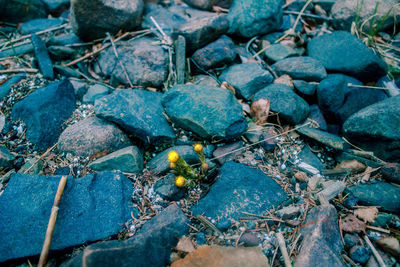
x=282, y=247
x=18, y=70
x=375, y=252
x=52, y=222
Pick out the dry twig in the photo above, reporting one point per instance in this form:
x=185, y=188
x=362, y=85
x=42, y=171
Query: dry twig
x=28, y=70
x=375, y=252
x=282, y=247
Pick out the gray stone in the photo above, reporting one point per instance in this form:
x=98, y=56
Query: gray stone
x=238, y=189
x=150, y=247
x=248, y=18
x=307, y=156
x=6, y=158
x=92, y=208
x=24, y=10
x=209, y=112
x=138, y=112
x=359, y=254
x=94, y=92
x=33, y=165
x=58, y=52
x=247, y=78
x=226, y=152
x=167, y=189
x=301, y=68
x=42, y=57
x=128, y=159
x=361, y=62
x=209, y=4
x=92, y=19
x=80, y=87
x=64, y=39
x=376, y=128
x=6, y=86
x=91, y=136
x=44, y=111
x=145, y=63
x=391, y=172
x=16, y=51
x=56, y=5
x=291, y=107
x=37, y=25
x=304, y=88
x=323, y=137
x=317, y=116
x=277, y=52
x=205, y=80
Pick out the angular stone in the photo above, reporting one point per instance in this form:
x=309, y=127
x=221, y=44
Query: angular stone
x=226, y=153
x=302, y=68
x=37, y=25
x=291, y=107
x=238, y=189
x=90, y=136
x=150, y=247
x=88, y=211
x=6, y=86
x=24, y=10
x=307, y=156
x=6, y=158
x=128, y=159
x=55, y=6
x=167, y=189
x=94, y=92
x=64, y=39
x=205, y=80
x=61, y=52
x=277, y=52
x=360, y=61
x=138, y=112
x=44, y=111
x=209, y=4
x=145, y=63
x=323, y=137
x=247, y=78
x=391, y=172
x=209, y=112
x=42, y=57
x=304, y=88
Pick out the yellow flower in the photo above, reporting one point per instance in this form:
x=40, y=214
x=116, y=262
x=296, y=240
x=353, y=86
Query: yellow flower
x=172, y=165
x=198, y=147
x=204, y=166
x=173, y=156
x=180, y=181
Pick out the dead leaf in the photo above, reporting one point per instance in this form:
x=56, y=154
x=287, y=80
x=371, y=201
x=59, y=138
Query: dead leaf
x=301, y=176
x=367, y=214
x=260, y=109
x=286, y=80
x=352, y=165
x=185, y=245
x=229, y=87
x=98, y=155
x=367, y=174
x=351, y=224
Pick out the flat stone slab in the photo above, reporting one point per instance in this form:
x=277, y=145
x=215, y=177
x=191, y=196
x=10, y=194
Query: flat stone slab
x=92, y=208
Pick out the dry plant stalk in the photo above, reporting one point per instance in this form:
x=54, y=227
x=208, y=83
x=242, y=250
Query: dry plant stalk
x=282, y=247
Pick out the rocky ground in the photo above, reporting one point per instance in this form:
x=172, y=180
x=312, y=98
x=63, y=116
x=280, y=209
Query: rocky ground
x=296, y=104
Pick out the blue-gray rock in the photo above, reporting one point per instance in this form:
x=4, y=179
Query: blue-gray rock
x=6, y=87
x=42, y=57
x=37, y=25
x=167, y=189
x=227, y=152
x=150, y=247
x=307, y=156
x=170, y=19
x=91, y=136
x=67, y=71
x=92, y=19
x=376, y=128
x=291, y=107
x=128, y=159
x=24, y=10
x=209, y=112
x=277, y=52
x=317, y=116
x=138, y=112
x=224, y=224
x=6, y=158
x=391, y=172
x=301, y=68
x=323, y=137
x=92, y=208
x=238, y=189
x=44, y=111
x=16, y=51
x=216, y=54
x=58, y=52
x=344, y=53
x=359, y=254
x=209, y=4
x=322, y=242
x=55, y=6
x=201, y=239
x=304, y=88
x=64, y=39
x=205, y=80
x=80, y=87
x=384, y=195
x=246, y=78
x=145, y=63
x=248, y=18
x=95, y=92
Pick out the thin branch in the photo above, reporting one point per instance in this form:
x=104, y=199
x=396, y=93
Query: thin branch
x=375, y=252
x=282, y=247
x=368, y=87
x=28, y=70
x=41, y=157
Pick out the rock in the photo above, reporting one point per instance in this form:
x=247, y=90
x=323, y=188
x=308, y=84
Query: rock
x=156, y=238
x=375, y=128
x=56, y=6
x=351, y=240
x=88, y=211
x=169, y=18
x=2, y=122
x=67, y=71
x=249, y=240
x=345, y=12
x=382, y=219
x=16, y=51
x=91, y=136
x=224, y=224
x=44, y=111
x=332, y=189
x=160, y=164
x=304, y=88
x=138, y=112
x=209, y=112
x=6, y=158
x=6, y=86
x=80, y=87
x=64, y=39
x=291, y=108
x=390, y=244
x=227, y=152
x=37, y=25
x=322, y=242
x=381, y=194
x=201, y=239
x=302, y=68
x=167, y=189
x=248, y=18
x=359, y=254
x=93, y=19
x=361, y=62
x=289, y=212
x=268, y=138
x=19, y=11
x=205, y=80
x=391, y=172
x=237, y=189
x=61, y=52
x=95, y=92
x=128, y=159
x=42, y=57
x=247, y=78
x=33, y=164
x=216, y=54
x=223, y=257
x=209, y=4
x=316, y=115
x=323, y=137
x=307, y=156
x=277, y=52
x=145, y=63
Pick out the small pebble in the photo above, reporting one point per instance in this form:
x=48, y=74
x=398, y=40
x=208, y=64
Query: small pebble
x=249, y=240
x=359, y=254
x=224, y=224
x=201, y=239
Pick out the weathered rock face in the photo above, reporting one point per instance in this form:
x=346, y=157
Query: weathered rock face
x=210, y=112
x=44, y=111
x=208, y=4
x=90, y=136
x=145, y=63
x=344, y=53
x=376, y=128
x=92, y=19
x=137, y=111
x=92, y=208
x=17, y=11
x=303, y=68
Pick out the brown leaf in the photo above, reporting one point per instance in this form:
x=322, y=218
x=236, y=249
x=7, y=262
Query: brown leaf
x=185, y=245
x=352, y=165
x=367, y=174
x=301, y=176
x=260, y=109
x=98, y=155
x=367, y=214
x=352, y=224
x=286, y=80
x=229, y=87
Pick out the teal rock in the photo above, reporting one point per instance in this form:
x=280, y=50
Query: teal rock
x=94, y=92
x=6, y=158
x=323, y=137
x=278, y=52
x=37, y=25
x=301, y=68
